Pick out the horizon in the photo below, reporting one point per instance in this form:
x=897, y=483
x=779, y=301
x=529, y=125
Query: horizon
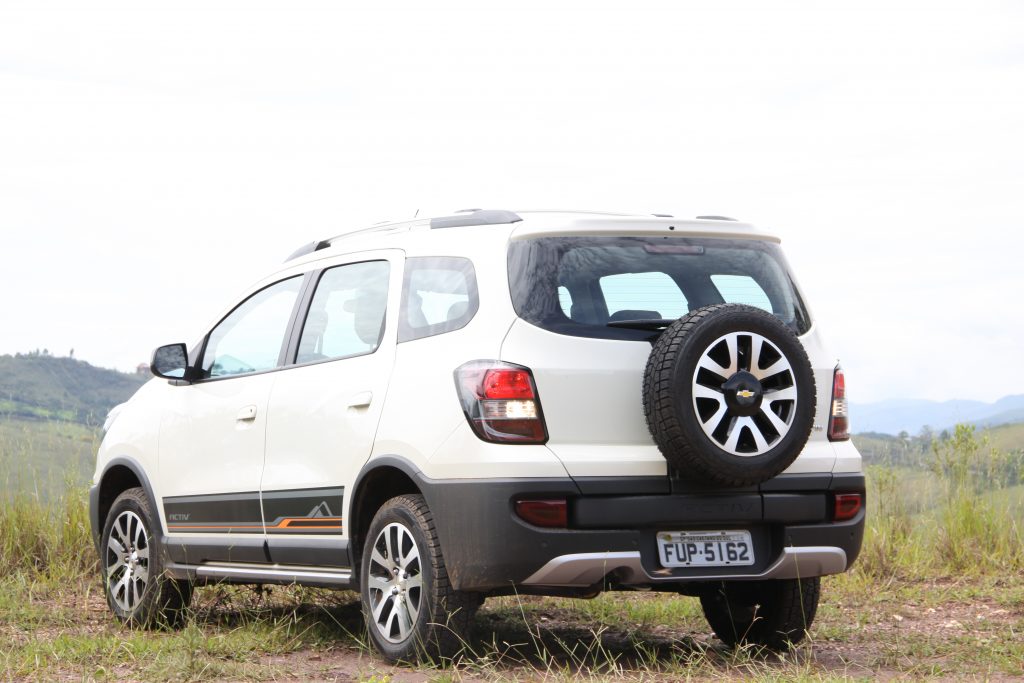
x=46, y=352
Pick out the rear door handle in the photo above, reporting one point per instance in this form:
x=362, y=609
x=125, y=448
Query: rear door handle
x=360, y=400
x=247, y=413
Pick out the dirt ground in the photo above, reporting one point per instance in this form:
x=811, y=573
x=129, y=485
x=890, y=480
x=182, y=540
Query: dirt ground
x=873, y=652
x=932, y=631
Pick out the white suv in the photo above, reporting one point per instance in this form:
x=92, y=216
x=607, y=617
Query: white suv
x=441, y=410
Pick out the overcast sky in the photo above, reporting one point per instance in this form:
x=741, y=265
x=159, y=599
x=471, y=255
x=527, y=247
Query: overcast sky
x=154, y=160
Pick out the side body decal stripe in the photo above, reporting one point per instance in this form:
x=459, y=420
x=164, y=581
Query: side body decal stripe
x=298, y=511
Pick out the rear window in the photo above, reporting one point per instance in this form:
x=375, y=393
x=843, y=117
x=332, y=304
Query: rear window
x=580, y=285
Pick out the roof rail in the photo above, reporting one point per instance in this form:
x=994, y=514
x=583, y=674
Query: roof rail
x=308, y=249
x=476, y=217
x=715, y=218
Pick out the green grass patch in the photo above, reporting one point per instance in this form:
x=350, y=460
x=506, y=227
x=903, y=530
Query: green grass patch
x=41, y=458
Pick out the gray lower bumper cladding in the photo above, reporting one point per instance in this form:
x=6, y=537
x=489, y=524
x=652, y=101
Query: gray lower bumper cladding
x=583, y=570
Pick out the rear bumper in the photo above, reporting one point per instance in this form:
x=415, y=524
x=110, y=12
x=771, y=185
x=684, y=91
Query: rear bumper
x=611, y=539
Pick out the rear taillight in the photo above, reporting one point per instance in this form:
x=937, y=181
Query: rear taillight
x=839, y=420
x=500, y=402
x=846, y=506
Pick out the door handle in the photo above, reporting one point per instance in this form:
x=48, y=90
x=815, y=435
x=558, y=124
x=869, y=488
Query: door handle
x=247, y=413
x=360, y=400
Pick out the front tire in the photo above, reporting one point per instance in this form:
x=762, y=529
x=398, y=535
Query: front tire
x=412, y=612
x=132, y=565
x=775, y=614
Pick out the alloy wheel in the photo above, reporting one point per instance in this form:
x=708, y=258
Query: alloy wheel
x=744, y=393
x=395, y=582
x=126, y=561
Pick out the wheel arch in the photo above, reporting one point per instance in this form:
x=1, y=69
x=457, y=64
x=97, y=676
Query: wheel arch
x=380, y=480
x=119, y=475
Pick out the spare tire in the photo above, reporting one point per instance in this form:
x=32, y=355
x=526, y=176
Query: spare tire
x=729, y=395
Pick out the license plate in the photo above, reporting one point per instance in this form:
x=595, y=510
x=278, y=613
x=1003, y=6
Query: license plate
x=705, y=548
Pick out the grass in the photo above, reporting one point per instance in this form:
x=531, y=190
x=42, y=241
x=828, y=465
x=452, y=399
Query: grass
x=938, y=592
x=41, y=458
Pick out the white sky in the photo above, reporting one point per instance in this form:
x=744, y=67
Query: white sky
x=155, y=160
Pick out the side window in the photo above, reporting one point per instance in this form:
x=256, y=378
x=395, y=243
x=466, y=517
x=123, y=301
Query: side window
x=249, y=339
x=439, y=295
x=346, y=315
x=741, y=289
x=640, y=296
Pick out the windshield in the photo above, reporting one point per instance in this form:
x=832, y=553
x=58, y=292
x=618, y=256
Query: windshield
x=614, y=287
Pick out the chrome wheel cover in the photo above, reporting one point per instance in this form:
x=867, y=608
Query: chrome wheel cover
x=744, y=394
x=126, y=561
x=395, y=583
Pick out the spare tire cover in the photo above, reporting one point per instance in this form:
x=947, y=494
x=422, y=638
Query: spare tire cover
x=729, y=395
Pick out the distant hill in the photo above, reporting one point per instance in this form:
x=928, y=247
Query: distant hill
x=42, y=387
x=910, y=415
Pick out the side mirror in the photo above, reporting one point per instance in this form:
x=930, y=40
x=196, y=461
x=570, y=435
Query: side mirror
x=170, y=362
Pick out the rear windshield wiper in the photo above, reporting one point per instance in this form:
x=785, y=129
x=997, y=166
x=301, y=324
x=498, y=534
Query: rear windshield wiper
x=643, y=324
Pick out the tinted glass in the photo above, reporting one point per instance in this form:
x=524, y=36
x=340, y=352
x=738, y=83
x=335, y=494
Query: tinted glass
x=578, y=285
x=250, y=338
x=439, y=295
x=346, y=315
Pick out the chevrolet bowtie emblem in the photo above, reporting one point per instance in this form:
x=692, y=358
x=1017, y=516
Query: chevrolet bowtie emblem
x=745, y=393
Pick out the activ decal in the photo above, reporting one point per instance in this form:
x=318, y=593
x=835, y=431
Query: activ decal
x=294, y=511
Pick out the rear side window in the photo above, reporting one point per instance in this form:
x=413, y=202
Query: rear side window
x=439, y=295
x=346, y=315
x=590, y=286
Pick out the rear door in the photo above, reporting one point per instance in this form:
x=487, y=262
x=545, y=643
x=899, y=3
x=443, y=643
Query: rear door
x=324, y=409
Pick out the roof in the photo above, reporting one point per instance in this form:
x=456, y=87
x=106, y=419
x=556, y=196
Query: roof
x=529, y=223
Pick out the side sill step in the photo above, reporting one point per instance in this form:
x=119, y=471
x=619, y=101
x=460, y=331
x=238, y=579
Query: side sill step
x=255, y=573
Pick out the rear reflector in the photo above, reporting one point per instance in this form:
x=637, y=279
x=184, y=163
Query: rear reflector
x=546, y=513
x=500, y=402
x=847, y=505
x=839, y=416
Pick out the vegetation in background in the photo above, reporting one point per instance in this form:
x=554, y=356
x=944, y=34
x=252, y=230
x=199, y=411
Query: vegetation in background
x=43, y=459
x=961, y=510
x=38, y=386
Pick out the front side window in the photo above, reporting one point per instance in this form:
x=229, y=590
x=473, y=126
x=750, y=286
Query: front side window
x=346, y=315
x=250, y=338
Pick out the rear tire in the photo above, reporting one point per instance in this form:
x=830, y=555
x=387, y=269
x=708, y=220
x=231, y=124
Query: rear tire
x=132, y=565
x=776, y=614
x=412, y=612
